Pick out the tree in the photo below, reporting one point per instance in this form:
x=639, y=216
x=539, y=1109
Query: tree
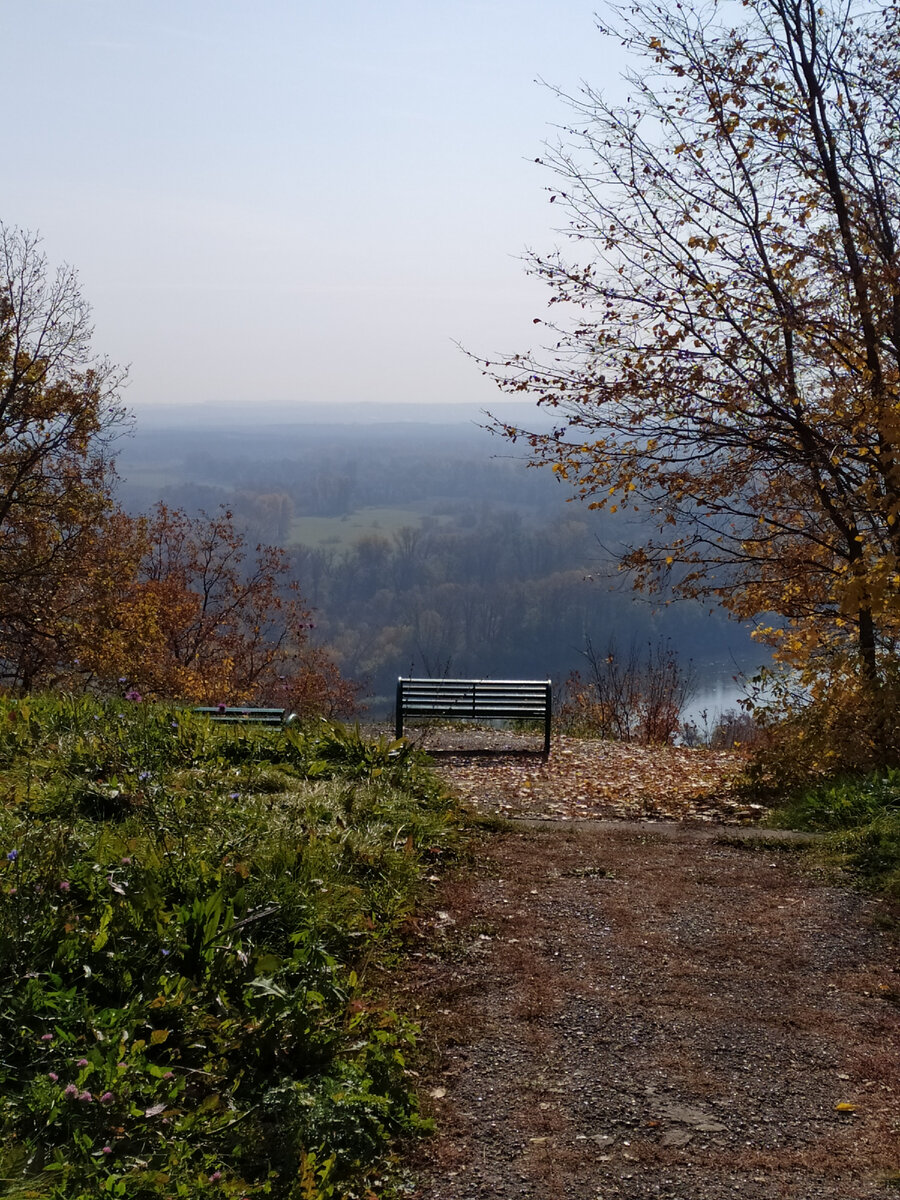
x=733, y=368
x=203, y=619
x=58, y=402
x=59, y=411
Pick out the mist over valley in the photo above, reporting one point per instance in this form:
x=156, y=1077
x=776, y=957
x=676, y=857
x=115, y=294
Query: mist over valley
x=423, y=544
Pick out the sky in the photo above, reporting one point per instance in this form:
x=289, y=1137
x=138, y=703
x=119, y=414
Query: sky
x=294, y=201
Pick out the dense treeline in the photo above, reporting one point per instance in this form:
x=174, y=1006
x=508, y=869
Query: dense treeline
x=324, y=470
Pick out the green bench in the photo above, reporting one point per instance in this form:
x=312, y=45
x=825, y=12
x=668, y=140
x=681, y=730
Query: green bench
x=246, y=714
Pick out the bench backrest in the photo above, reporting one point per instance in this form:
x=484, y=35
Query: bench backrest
x=475, y=699
x=242, y=715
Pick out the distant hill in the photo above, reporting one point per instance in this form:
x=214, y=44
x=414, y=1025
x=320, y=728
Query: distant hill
x=258, y=412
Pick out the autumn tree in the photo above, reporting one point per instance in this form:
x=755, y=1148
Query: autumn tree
x=204, y=618
x=731, y=367
x=59, y=412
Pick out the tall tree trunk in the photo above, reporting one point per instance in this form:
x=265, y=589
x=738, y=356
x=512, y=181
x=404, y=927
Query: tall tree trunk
x=873, y=691
x=866, y=642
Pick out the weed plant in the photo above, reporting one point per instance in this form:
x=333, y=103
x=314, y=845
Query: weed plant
x=190, y=918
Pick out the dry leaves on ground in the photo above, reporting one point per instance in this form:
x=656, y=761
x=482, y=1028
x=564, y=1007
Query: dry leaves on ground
x=591, y=778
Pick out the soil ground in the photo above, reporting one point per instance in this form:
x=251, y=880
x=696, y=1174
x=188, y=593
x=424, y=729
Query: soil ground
x=629, y=1008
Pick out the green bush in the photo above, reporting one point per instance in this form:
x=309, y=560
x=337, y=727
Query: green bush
x=861, y=814
x=873, y=853
x=189, y=919
x=842, y=803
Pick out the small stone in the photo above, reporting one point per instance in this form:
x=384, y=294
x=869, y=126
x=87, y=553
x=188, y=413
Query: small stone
x=676, y=1137
x=602, y=1139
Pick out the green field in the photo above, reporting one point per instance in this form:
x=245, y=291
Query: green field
x=343, y=532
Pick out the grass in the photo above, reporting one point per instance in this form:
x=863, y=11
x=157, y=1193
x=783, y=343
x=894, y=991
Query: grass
x=193, y=920
x=861, y=815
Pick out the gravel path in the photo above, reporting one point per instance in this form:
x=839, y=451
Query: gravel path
x=619, y=1012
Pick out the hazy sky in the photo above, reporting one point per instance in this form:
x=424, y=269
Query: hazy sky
x=294, y=200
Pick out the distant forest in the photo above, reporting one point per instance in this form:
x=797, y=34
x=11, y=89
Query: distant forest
x=426, y=549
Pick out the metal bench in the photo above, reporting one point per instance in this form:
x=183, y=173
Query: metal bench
x=475, y=700
x=238, y=714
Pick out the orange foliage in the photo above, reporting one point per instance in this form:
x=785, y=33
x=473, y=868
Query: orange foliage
x=202, y=619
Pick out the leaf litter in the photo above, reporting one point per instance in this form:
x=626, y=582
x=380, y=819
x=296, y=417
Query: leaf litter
x=589, y=779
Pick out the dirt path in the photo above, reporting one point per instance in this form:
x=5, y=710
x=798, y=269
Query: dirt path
x=618, y=1012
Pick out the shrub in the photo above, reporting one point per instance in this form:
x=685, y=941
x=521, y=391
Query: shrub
x=626, y=696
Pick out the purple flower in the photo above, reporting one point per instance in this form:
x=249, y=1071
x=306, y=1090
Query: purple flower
x=126, y=862
x=53, y=1077
x=86, y=1098
x=234, y=795
x=64, y=885
x=215, y=1177
x=82, y=1062
x=71, y=1091
x=12, y=856
x=122, y=679
x=46, y=1037
x=106, y=1150
x=169, y=1075
x=134, y=695
x=107, y=1098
